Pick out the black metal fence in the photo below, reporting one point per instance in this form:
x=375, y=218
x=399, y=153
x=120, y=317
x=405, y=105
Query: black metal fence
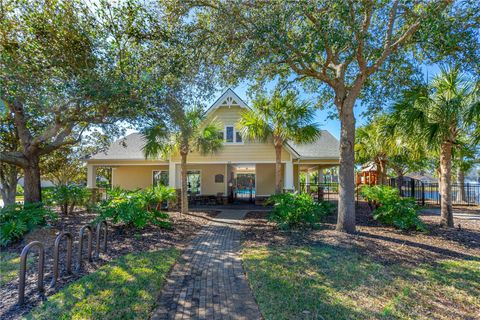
x=321, y=191
x=426, y=193
x=429, y=192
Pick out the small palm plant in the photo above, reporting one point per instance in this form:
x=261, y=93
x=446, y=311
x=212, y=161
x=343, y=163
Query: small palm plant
x=185, y=132
x=280, y=118
x=441, y=113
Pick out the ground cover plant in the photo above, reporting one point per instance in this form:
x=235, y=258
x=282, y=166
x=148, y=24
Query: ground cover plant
x=328, y=282
x=126, y=288
x=392, y=210
x=9, y=262
x=18, y=219
x=293, y=210
x=69, y=196
x=137, y=208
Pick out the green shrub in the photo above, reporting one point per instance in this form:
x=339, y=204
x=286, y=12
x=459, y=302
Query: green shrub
x=16, y=220
x=19, y=191
x=69, y=196
x=135, y=208
x=391, y=209
x=291, y=210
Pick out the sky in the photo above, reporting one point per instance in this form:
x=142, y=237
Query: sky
x=331, y=125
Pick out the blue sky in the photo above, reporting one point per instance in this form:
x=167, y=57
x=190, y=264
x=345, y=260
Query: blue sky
x=332, y=125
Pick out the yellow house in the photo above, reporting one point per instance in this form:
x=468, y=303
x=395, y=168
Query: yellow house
x=242, y=169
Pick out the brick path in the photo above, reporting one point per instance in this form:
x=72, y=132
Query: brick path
x=208, y=282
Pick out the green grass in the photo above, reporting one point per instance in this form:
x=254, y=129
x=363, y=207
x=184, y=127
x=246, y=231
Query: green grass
x=331, y=283
x=9, y=266
x=127, y=288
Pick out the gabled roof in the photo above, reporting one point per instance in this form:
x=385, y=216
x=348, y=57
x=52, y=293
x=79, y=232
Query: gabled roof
x=128, y=148
x=325, y=147
x=227, y=99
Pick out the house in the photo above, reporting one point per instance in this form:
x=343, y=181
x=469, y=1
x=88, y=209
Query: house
x=242, y=169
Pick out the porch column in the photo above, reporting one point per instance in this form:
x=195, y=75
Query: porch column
x=91, y=176
x=288, y=176
x=172, y=175
x=320, y=175
x=307, y=181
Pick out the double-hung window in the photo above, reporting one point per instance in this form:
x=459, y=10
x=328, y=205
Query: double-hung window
x=232, y=136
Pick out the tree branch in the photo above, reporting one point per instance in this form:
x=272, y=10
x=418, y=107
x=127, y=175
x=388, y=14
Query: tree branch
x=13, y=157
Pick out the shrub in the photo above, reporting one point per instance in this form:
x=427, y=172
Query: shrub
x=291, y=210
x=19, y=191
x=69, y=196
x=391, y=209
x=16, y=220
x=134, y=208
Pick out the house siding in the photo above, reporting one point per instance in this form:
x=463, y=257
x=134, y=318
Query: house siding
x=247, y=152
x=134, y=177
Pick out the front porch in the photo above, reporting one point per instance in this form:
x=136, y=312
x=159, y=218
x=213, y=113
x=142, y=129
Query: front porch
x=213, y=183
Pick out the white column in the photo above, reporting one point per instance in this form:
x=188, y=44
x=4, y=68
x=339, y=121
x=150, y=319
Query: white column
x=91, y=176
x=320, y=175
x=288, y=176
x=172, y=175
x=307, y=177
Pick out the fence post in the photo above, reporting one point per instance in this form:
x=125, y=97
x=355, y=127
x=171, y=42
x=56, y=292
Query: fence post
x=412, y=188
x=423, y=194
x=468, y=193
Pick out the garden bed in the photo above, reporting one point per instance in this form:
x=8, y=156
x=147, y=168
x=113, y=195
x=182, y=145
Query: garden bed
x=121, y=241
x=379, y=272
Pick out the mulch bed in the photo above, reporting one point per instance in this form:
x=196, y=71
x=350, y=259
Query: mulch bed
x=121, y=241
x=384, y=244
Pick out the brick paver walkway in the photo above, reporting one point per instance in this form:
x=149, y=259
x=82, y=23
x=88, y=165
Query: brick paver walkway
x=208, y=282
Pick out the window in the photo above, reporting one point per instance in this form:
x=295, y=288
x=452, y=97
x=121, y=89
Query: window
x=229, y=131
x=159, y=178
x=193, y=182
x=238, y=137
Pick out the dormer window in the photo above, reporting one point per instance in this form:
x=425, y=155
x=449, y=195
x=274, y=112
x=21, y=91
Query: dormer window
x=232, y=136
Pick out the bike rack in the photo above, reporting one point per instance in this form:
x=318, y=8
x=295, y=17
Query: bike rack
x=23, y=269
x=80, y=246
x=97, y=244
x=56, y=255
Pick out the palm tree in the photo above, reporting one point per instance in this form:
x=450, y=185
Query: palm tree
x=440, y=113
x=279, y=118
x=185, y=132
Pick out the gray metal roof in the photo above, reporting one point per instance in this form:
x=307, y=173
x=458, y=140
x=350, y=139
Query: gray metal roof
x=130, y=148
x=325, y=147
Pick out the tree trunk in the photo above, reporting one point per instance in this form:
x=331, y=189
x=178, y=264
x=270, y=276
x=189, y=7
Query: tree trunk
x=399, y=181
x=346, y=177
x=184, y=195
x=446, y=185
x=8, y=182
x=461, y=196
x=382, y=175
x=278, y=169
x=32, y=187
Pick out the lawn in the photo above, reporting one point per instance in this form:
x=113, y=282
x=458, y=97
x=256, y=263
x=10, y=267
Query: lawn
x=126, y=288
x=9, y=262
x=329, y=282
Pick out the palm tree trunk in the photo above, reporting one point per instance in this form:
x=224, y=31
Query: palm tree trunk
x=184, y=195
x=446, y=185
x=278, y=168
x=346, y=177
x=399, y=181
x=382, y=172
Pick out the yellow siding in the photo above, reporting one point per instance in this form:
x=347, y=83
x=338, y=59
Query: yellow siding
x=246, y=152
x=207, y=174
x=265, y=178
x=134, y=177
